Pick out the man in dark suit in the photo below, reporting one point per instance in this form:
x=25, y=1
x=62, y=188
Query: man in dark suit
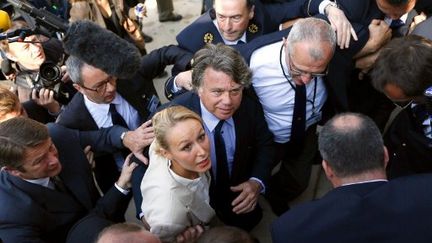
x=403, y=72
x=232, y=21
x=46, y=184
x=219, y=77
x=115, y=87
x=363, y=207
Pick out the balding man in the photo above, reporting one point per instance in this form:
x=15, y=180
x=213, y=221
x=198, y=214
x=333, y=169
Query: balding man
x=364, y=206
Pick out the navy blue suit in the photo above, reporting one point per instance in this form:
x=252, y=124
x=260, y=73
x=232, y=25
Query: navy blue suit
x=267, y=19
x=398, y=211
x=33, y=213
x=253, y=156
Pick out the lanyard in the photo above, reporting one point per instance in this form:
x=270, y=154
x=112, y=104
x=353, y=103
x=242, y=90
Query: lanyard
x=312, y=102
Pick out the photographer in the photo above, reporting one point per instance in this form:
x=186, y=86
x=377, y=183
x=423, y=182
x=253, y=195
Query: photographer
x=22, y=63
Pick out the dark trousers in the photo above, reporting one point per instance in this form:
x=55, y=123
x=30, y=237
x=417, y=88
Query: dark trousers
x=295, y=169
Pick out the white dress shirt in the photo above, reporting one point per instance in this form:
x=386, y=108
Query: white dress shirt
x=276, y=94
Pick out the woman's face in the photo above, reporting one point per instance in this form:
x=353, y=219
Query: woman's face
x=188, y=149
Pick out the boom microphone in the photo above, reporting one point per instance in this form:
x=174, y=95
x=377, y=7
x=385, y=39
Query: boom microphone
x=42, y=16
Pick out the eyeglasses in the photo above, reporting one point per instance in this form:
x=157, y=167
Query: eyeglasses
x=296, y=72
x=101, y=88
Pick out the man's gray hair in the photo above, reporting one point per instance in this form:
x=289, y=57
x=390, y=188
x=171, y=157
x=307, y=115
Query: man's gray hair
x=74, y=67
x=221, y=58
x=312, y=30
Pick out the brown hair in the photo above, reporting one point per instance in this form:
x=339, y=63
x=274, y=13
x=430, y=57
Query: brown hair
x=16, y=135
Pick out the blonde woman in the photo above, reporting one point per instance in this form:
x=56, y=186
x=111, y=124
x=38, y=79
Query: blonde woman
x=176, y=184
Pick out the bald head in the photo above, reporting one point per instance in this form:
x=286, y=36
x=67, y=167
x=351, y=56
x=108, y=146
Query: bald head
x=126, y=233
x=352, y=145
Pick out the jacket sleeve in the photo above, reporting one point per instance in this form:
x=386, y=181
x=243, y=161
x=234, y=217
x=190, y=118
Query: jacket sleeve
x=102, y=140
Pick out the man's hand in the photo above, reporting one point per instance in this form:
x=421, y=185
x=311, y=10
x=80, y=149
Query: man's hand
x=341, y=25
x=379, y=33
x=124, y=180
x=184, y=80
x=248, y=197
x=190, y=235
x=137, y=140
x=45, y=98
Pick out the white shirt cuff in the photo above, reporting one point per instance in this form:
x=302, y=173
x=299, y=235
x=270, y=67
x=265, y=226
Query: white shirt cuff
x=260, y=182
x=123, y=191
x=322, y=6
x=175, y=88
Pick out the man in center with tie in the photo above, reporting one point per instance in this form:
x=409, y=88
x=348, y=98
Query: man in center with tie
x=241, y=144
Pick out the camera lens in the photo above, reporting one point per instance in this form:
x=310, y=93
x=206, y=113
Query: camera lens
x=50, y=72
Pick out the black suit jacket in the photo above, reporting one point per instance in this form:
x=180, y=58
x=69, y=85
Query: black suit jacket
x=409, y=149
x=33, y=213
x=267, y=19
x=254, y=142
x=398, y=211
x=253, y=157
x=137, y=91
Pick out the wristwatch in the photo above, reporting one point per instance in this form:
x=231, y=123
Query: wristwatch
x=330, y=3
x=122, y=135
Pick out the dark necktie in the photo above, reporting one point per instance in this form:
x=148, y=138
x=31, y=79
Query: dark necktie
x=222, y=175
x=298, y=125
x=117, y=119
x=58, y=184
x=396, y=24
x=240, y=42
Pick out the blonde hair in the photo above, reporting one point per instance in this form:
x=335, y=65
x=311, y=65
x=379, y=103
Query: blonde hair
x=8, y=102
x=164, y=120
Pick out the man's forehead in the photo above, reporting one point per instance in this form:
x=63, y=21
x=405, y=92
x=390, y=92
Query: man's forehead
x=229, y=5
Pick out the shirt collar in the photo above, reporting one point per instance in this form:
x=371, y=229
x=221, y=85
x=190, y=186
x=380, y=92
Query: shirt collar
x=211, y=120
x=363, y=182
x=41, y=181
x=403, y=18
x=101, y=107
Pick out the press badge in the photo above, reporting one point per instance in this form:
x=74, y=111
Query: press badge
x=153, y=104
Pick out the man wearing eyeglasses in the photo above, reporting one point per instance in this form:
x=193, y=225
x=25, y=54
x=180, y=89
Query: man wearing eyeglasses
x=115, y=88
x=405, y=81
x=288, y=80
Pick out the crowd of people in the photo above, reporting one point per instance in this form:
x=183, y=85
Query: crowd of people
x=260, y=92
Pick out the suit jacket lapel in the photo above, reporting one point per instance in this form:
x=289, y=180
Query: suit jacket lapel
x=47, y=198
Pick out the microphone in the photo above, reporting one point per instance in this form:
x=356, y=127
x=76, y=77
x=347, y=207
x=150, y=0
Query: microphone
x=42, y=16
x=5, y=22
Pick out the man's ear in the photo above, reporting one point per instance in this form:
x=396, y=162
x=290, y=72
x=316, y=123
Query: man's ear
x=327, y=169
x=10, y=56
x=12, y=171
x=386, y=157
x=252, y=12
x=78, y=88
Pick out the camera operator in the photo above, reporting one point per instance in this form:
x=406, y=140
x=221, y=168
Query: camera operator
x=22, y=65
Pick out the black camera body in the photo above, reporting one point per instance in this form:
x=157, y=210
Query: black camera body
x=49, y=77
